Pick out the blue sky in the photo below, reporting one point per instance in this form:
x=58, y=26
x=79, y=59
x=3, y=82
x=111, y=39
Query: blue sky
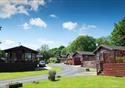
x=56, y=22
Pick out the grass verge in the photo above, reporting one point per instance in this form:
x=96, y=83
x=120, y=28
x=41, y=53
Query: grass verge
x=81, y=82
x=11, y=75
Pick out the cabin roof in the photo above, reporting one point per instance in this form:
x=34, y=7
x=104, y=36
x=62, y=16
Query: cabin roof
x=85, y=53
x=109, y=47
x=20, y=47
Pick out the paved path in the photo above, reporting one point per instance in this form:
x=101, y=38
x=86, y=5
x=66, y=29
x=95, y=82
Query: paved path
x=68, y=70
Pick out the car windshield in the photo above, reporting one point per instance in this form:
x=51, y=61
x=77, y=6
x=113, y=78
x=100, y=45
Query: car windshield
x=42, y=62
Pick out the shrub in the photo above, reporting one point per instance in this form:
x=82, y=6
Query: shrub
x=15, y=85
x=87, y=69
x=52, y=75
x=53, y=60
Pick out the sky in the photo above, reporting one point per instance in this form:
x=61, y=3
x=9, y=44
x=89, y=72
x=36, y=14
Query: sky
x=33, y=23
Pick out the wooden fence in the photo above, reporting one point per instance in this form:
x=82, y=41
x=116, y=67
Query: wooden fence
x=114, y=69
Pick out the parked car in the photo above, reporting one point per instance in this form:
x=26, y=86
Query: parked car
x=41, y=64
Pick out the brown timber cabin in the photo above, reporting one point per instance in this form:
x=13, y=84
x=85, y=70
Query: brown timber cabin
x=74, y=59
x=19, y=58
x=88, y=59
x=110, y=60
x=63, y=58
x=83, y=58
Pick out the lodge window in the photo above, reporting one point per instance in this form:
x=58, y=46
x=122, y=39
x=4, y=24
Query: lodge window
x=33, y=55
x=28, y=56
x=6, y=55
x=97, y=56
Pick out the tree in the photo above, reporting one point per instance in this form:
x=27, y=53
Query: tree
x=82, y=43
x=44, y=51
x=118, y=33
x=2, y=53
x=44, y=47
x=104, y=40
x=56, y=52
x=64, y=51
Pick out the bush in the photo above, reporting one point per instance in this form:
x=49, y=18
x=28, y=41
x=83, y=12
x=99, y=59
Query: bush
x=87, y=69
x=52, y=75
x=15, y=85
x=53, y=60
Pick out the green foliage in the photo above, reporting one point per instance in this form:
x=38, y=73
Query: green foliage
x=118, y=33
x=48, y=53
x=82, y=43
x=56, y=52
x=53, y=60
x=64, y=51
x=44, y=48
x=44, y=51
x=104, y=40
x=2, y=53
x=51, y=75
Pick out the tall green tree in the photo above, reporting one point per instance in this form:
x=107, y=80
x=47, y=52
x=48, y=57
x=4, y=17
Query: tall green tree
x=82, y=43
x=118, y=33
x=44, y=51
x=64, y=51
x=104, y=40
x=56, y=52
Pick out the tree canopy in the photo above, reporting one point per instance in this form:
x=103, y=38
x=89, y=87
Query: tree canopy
x=104, y=40
x=44, y=51
x=82, y=43
x=56, y=52
x=118, y=33
x=2, y=53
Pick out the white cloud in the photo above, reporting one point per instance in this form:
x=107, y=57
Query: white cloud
x=9, y=42
x=35, y=3
x=34, y=22
x=45, y=41
x=70, y=25
x=37, y=22
x=26, y=26
x=53, y=15
x=12, y=7
x=7, y=11
x=21, y=9
x=50, y=43
x=86, y=27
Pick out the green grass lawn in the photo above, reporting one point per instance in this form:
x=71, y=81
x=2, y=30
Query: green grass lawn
x=81, y=82
x=10, y=75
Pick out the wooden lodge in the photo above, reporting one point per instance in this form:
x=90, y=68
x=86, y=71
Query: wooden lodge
x=110, y=60
x=62, y=58
x=88, y=59
x=74, y=59
x=19, y=58
x=83, y=58
x=69, y=59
